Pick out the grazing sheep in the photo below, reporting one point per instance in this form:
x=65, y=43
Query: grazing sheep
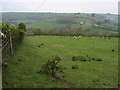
x=77, y=37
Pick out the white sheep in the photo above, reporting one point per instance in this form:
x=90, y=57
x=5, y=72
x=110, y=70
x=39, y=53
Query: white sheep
x=79, y=36
x=75, y=37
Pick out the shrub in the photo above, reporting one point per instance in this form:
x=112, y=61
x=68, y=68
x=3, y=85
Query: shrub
x=51, y=67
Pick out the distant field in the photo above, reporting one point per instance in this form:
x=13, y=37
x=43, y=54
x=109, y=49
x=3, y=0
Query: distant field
x=46, y=26
x=26, y=21
x=26, y=62
x=50, y=25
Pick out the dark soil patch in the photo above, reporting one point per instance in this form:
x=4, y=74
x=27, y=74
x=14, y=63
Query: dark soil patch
x=72, y=85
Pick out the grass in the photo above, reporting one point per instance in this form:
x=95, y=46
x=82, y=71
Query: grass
x=53, y=25
x=26, y=62
x=46, y=25
x=26, y=21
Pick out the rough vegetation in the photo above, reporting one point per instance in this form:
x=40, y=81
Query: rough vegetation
x=85, y=58
x=51, y=67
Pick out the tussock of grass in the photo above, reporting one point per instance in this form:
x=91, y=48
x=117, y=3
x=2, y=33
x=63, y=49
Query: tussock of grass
x=85, y=58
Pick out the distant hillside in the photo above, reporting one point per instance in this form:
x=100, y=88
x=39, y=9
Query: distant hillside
x=15, y=16
x=112, y=17
x=48, y=21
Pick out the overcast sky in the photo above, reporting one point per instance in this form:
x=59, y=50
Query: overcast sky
x=85, y=6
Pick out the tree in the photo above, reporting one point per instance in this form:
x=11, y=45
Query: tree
x=93, y=15
x=22, y=26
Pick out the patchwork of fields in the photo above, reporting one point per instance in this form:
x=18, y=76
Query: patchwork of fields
x=92, y=23
x=27, y=60
x=44, y=26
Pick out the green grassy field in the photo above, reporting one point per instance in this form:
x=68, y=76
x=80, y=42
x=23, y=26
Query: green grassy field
x=25, y=21
x=53, y=25
x=46, y=26
x=28, y=58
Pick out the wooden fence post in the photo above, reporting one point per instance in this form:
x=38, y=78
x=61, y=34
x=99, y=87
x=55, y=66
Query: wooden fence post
x=11, y=42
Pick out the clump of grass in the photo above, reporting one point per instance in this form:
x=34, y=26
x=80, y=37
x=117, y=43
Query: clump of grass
x=98, y=59
x=85, y=58
x=42, y=43
x=74, y=67
x=39, y=46
x=19, y=59
x=74, y=58
x=113, y=50
x=79, y=58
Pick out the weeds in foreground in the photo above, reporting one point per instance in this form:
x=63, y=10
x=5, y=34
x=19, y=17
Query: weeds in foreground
x=51, y=67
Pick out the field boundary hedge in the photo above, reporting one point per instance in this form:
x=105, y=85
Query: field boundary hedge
x=11, y=38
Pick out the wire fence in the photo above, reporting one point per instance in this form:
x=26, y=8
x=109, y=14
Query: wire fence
x=6, y=50
x=9, y=44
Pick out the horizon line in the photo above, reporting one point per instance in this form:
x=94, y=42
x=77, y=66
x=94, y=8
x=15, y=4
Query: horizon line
x=53, y=12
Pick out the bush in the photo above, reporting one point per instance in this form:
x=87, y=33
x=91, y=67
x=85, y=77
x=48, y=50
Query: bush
x=22, y=26
x=51, y=67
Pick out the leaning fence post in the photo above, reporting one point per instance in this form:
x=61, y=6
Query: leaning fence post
x=10, y=42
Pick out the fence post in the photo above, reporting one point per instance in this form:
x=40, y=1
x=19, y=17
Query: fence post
x=11, y=42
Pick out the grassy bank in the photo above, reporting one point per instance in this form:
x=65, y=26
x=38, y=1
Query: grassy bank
x=26, y=62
